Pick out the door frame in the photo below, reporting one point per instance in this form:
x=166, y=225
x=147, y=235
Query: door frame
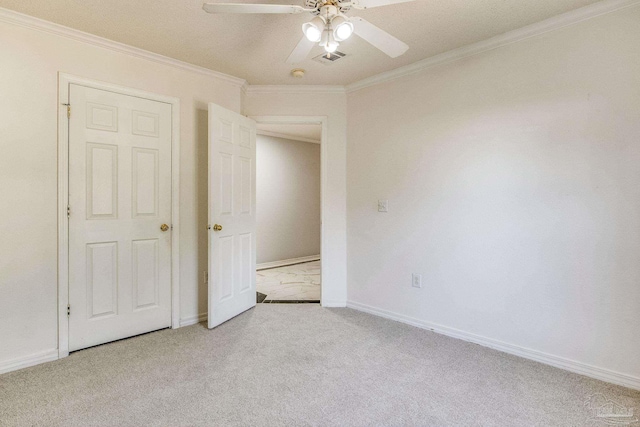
x=64, y=80
x=311, y=120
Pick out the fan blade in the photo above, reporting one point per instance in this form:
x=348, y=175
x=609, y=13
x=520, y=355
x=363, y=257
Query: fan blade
x=252, y=8
x=367, y=4
x=301, y=51
x=378, y=38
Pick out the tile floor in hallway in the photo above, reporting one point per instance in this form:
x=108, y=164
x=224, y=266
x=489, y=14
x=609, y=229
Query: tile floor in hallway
x=293, y=282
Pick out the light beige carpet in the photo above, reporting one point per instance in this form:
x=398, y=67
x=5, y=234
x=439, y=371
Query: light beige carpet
x=300, y=365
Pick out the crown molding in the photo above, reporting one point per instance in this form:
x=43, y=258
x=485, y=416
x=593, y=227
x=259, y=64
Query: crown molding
x=287, y=136
x=20, y=19
x=299, y=89
x=244, y=87
x=533, y=30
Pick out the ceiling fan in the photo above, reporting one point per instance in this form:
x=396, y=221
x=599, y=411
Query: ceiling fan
x=329, y=27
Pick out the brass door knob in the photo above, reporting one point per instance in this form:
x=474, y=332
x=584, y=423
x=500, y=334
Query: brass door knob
x=217, y=227
x=164, y=227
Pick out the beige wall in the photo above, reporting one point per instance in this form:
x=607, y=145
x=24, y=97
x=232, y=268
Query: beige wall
x=287, y=199
x=513, y=180
x=30, y=62
x=333, y=106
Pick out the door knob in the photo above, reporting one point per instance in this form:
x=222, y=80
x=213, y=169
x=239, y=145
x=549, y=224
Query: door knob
x=164, y=227
x=217, y=227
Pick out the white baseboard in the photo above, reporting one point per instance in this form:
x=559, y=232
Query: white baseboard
x=284, y=262
x=331, y=304
x=26, y=361
x=538, y=356
x=192, y=320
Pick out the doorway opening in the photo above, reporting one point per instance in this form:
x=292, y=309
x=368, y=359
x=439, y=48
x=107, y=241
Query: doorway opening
x=288, y=212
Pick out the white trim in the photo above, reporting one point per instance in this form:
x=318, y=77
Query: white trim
x=30, y=360
x=285, y=136
x=285, y=262
x=16, y=18
x=334, y=304
x=243, y=94
x=193, y=320
x=244, y=87
x=527, y=353
x=175, y=213
x=64, y=80
x=324, y=158
x=533, y=30
x=63, y=223
x=288, y=89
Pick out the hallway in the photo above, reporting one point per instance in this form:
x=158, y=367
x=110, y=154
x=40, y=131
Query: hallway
x=299, y=282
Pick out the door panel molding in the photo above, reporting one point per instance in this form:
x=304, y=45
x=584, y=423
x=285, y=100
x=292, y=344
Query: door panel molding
x=231, y=216
x=64, y=82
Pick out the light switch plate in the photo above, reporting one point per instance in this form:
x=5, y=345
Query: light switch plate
x=416, y=280
x=383, y=206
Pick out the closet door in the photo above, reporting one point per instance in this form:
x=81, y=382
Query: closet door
x=120, y=216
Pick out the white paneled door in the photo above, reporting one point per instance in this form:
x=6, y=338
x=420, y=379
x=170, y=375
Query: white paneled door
x=232, y=214
x=119, y=216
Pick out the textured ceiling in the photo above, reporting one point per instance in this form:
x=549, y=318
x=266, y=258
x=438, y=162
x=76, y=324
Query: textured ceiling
x=255, y=47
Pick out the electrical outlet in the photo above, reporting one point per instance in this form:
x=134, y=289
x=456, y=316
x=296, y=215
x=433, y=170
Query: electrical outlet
x=383, y=206
x=205, y=276
x=416, y=280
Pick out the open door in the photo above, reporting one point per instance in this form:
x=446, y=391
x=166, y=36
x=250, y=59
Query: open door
x=232, y=214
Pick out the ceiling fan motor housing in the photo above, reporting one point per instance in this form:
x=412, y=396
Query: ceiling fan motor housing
x=312, y=4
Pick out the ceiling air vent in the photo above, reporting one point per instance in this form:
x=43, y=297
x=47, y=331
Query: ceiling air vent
x=329, y=58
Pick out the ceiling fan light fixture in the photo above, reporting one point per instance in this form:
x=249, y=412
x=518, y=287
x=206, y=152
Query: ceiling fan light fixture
x=329, y=26
x=331, y=47
x=327, y=41
x=313, y=29
x=342, y=28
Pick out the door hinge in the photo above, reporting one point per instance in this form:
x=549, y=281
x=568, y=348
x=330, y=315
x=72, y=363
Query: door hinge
x=68, y=310
x=68, y=211
x=68, y=110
